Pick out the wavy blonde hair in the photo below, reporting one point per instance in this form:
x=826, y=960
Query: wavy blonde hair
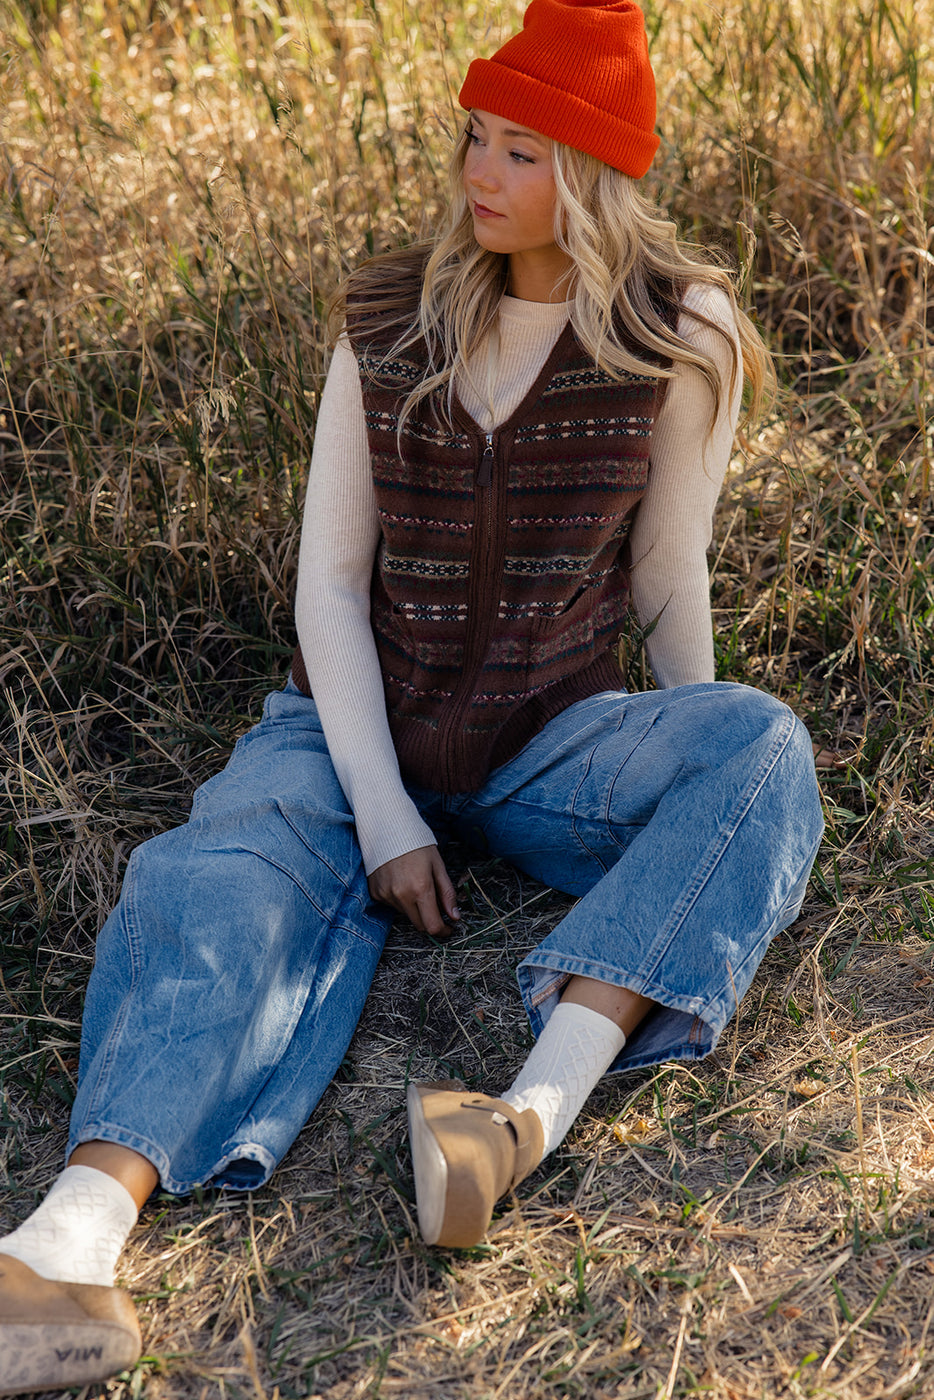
x=629, y=273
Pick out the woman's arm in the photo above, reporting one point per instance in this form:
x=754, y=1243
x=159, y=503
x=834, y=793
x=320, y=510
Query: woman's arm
x=340, y=532
x=674, y=522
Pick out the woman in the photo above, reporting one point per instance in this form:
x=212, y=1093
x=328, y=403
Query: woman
x=523, y=425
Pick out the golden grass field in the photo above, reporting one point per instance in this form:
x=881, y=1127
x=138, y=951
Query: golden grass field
x=181, y=186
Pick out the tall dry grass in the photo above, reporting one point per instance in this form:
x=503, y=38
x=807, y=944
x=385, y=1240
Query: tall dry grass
x=183, y=185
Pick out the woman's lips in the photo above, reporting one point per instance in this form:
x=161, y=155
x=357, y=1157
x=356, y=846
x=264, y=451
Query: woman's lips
x=482, y=212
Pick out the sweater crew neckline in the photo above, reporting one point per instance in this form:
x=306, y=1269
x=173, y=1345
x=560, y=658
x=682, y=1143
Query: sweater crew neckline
x=535, y=313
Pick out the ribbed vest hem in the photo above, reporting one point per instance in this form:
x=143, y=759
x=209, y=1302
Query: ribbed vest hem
x=424, y=766
x=299, y=672
x=420, y=761
x=602, y=674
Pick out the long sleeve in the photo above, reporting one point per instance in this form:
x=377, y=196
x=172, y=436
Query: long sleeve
x=674, y=522
x=340, y=532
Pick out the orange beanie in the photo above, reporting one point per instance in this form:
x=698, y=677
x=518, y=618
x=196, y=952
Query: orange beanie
x=578, y=72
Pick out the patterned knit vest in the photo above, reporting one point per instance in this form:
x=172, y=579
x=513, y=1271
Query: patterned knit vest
x=502, y=574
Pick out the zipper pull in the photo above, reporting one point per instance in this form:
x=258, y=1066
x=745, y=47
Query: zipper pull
x=485, y=474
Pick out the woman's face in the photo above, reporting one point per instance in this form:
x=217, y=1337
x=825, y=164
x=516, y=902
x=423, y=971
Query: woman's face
x=510, y=186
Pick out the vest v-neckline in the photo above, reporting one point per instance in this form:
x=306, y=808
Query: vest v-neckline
x=558, y=351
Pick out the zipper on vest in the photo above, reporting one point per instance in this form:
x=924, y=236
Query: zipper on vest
x=479, y=622
x=485, y=473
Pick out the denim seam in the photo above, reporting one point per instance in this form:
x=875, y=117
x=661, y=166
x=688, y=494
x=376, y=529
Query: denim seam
x=585, y=771
x=291, y=876
x=134, y=945
x=246, y=1151
x=717, y=848
x=349, y=891
x=779, y=921
x=568, y=966
x=103, y=1131
x=345, y=884
x=572, y=808
x=100, y=1130
x=550, y=988
x=766, y=937
x=338, y=927
x=685, y=1051
x=607, y=815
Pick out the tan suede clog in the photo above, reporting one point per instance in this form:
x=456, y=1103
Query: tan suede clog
x=467, y=1150
x=54, y=1335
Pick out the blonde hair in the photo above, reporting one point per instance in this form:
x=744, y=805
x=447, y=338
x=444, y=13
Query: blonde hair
x=629, y=274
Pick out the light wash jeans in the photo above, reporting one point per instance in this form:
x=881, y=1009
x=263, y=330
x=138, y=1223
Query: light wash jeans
x=231, y=975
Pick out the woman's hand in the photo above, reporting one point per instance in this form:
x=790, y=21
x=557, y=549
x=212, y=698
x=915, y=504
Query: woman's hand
x=418, y=885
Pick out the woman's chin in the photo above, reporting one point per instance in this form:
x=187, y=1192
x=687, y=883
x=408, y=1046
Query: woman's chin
x=493, y=240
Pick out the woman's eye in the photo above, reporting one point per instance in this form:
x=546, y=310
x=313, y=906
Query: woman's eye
x=520, y=156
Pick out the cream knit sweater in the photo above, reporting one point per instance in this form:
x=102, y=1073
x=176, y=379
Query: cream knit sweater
x=340, y=532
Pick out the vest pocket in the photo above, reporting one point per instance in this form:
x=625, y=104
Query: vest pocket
x=562, y=643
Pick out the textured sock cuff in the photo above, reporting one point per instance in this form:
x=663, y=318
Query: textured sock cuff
x=119, y=1200
x=570, y=1014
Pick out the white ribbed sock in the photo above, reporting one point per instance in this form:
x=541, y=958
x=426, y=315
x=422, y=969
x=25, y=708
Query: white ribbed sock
x=575, y=1049
x=76, y=1234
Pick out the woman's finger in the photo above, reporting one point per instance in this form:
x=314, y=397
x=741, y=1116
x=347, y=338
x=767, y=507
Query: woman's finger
x=417, y=885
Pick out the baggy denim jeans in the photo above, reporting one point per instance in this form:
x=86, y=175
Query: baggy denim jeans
x=230, y=977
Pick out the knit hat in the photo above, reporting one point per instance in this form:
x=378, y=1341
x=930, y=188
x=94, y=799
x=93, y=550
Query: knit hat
x=578, y=72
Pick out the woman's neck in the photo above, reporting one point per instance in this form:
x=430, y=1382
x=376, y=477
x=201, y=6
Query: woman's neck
x=541, y=274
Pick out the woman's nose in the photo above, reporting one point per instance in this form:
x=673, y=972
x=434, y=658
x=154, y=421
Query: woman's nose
x=481, y=174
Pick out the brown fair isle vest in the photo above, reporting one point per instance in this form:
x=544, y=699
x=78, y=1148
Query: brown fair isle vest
x=502, y=575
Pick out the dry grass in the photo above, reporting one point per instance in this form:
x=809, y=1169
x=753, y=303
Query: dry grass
x=181, y=187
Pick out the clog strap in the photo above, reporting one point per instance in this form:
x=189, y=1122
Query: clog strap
x=526, y=1128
